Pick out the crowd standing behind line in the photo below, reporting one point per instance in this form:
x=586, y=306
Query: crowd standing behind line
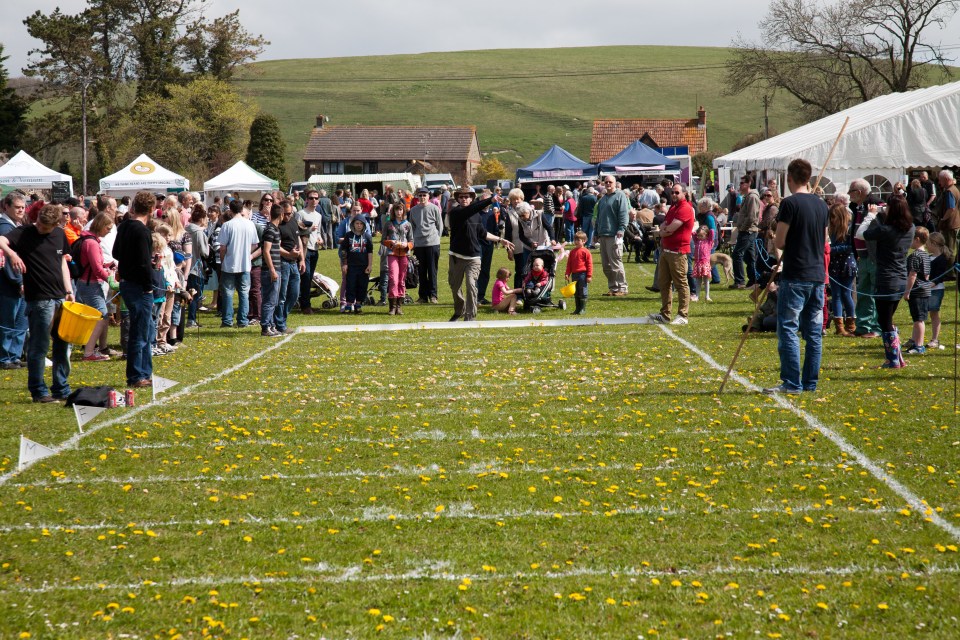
x=180, y=245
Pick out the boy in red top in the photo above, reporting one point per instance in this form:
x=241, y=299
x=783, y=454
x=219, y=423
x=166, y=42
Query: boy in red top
x=580, y=267
x=675, y=232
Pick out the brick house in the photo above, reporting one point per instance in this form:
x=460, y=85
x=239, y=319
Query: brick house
x=669, y=137
x=388, y=149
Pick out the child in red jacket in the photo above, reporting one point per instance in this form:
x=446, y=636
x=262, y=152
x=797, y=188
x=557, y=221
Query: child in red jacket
x=580, y=267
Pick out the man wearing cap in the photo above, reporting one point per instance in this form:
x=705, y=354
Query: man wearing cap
x=466, y=234
x=427, y=222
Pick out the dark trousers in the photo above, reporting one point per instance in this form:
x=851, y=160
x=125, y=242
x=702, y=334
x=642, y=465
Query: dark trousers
x=483, y=280
x=306, y=279
x=255, y=297
x=356, y=285
x=745, y=251
x=429, y=258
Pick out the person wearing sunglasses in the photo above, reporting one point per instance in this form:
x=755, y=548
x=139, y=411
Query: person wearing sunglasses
x=613, y=214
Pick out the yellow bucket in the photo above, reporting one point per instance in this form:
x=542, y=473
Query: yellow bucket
x=77, y=322
x=569, y=289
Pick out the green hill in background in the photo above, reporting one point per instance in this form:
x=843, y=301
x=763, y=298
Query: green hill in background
x=521, y=100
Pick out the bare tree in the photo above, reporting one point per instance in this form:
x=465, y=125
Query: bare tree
x=833, y=56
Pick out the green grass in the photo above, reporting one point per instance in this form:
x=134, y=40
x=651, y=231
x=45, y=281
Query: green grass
x=528, y=482
x=562, y=92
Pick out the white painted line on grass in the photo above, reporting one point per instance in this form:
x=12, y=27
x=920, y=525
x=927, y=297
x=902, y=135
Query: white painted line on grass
x=465, y=511
x=912, y=499
x=401, y=471
x=534, y=321
x=162, y=400
x=443, y=571
x=435, y=435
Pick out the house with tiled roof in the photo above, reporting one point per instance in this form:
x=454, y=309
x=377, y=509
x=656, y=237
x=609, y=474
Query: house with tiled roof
x=683, y=137
x=388, y=149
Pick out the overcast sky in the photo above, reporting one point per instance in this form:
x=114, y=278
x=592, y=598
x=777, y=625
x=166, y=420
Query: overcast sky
x=311, y=29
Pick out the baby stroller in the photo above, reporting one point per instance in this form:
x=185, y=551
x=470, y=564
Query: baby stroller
x=410, y=281
x=536, y=299
x=328, y=287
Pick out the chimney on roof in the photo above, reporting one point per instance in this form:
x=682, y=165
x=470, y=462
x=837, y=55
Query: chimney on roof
x=701, y=118
x=321, y=119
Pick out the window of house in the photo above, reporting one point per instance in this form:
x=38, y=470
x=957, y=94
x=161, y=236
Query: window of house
x=332, y=168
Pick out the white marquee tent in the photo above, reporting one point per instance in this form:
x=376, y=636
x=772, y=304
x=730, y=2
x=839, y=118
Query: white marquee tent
x=22, y=171
x=885, y=138
x=143, y=174
x=242, y=179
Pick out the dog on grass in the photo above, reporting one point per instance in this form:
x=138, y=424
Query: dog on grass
x=725, y=261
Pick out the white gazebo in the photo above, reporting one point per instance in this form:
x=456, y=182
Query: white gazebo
x=241, y=179
x=885, y=138
x=143, y=174
x=24, y=172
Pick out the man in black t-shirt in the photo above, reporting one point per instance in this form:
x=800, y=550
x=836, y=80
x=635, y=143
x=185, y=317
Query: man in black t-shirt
x=40, y=252
x=801, y=235
x=292, y=264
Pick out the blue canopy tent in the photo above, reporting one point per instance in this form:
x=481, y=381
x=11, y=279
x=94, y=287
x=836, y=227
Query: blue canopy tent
x=639, y=160
x=556, y=164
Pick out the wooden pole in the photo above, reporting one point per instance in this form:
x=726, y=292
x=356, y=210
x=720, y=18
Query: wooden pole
x=763, y=294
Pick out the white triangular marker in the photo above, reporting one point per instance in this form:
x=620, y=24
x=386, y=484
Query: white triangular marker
x=47, y=363
x=30, y=451
x=162, y=384
x=86, y=414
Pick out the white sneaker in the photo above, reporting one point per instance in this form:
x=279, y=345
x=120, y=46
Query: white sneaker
x=709, y=299
x=658, y=318
x=680, y=320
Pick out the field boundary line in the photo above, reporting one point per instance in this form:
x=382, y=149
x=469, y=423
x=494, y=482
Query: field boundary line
x=127, y=415
x=474, y=324
x=912, y=499
x=443, y=571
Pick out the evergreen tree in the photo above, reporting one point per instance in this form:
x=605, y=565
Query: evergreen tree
x=13, y=110
x=266, y=150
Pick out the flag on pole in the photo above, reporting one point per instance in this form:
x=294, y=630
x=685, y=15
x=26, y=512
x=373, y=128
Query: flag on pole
x=162, y=384
x=30, y=451
x=86, y=414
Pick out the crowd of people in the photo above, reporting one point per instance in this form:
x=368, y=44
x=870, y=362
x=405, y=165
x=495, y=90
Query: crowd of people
x=145, y=263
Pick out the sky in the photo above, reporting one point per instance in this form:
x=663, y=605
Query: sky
x=324, y=29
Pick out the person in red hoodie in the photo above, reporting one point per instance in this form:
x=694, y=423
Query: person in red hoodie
x=580, y=268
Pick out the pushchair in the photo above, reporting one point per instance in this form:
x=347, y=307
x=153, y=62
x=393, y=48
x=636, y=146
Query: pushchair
x=321, y=285
x=411, y=281
x=536, y=299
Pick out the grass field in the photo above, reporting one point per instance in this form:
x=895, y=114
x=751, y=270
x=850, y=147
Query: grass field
x=521, y=100
x=512, y=481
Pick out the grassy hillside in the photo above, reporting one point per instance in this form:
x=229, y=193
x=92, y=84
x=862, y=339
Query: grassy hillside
x=521, y=100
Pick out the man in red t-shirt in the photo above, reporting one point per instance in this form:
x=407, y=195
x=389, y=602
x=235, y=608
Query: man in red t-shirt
x=675, y=233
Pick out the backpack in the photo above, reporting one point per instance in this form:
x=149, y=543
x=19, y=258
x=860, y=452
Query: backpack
x=76, y=269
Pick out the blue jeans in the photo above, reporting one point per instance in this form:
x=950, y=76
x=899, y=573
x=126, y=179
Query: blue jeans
x=194, y=282
x=40, y=315
x=586, y=225
x=239, y=282
x=569, y=226
x=580, y=278
x=13, y=327
x=143, y=331
x=841, y=302
x=289, y=290
x=270, y=290
x=799, y=306
x=745, y=250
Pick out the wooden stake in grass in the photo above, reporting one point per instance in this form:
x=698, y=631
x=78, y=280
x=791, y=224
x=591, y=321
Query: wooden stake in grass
x=763, y=294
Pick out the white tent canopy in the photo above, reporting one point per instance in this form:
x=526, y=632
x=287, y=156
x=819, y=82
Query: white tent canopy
x=143, y=174
x=407, y=181
x=240, y=178
x=22, y=171
x=886, y=136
